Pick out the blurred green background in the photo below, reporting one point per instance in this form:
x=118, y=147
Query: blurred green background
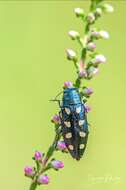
x=33, y=67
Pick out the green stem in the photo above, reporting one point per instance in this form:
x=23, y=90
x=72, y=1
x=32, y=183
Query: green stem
x=52, y=148
x=84, y=50
x=94, y=4
x=50, y=152
x=75, y=64
x=33, y=186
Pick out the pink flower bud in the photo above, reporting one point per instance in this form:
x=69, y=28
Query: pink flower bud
x=91, y=46
x=87, y=108
x=95, y=33
x=56, y=119
x=108, y=8
x=73, y=34
x=98, y=11
x=43, y=179
x=71, y=54
x=79, y=12
x=68, y=84
x=83, y=74
x=38, y=155
x=56, y=164
x=91, y=18
x=92, y=71
x=61, y=145
x=98, y=59
x=104, y=34
x=29, y=171
x=88, y=91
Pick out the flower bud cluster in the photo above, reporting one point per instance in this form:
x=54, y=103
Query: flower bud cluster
x=101, y=34
x=43, y=179
x=92, y=67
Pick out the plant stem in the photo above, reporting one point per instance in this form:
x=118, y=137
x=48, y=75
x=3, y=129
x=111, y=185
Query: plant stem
x=33, y=186
x=84, y=50
x=50, y=152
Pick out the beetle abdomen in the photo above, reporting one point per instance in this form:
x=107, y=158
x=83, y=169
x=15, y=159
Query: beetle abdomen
x=74, y=123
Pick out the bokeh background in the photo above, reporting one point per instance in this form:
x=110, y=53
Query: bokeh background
x=33, y=67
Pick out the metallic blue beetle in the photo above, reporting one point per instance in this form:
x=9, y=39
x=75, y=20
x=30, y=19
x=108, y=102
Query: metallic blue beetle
x=74, y=122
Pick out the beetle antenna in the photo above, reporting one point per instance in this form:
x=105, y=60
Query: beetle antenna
x=55, y=100
x=56, y=97
x=58, y=94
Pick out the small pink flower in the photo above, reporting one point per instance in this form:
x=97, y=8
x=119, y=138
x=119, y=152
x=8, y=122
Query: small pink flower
x=43, y=179
x=71, y=54
x=91, y=46
x=79, y=12
x=61, y=145
x=73, y=34
x=29, y=171
x=87, y=108
x=56, y=164
x=38, y=155
x=56, y=119
x=92, y=71
x=108, y=8
x=98, y=11
x=83, y=74
x=104, y=34
x=98, y=59
x=68, y=84
x=88, y=91
x=91, y=18
x=95, y=34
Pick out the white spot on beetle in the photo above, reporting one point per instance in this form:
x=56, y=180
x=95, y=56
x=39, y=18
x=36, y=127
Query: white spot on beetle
x=67, y=110
x=78, y=110
x=82, y=134
x=67, y=123
x=81, y=146
x=68, y=135
x=81, y=122
x=71, y=147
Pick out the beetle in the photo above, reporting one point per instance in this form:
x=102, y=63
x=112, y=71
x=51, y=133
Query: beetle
x=74, y=122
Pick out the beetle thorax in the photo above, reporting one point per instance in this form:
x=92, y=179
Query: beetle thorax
x=71, y=96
